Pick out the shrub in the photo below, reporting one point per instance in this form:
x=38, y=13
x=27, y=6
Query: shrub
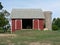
x=54, y=27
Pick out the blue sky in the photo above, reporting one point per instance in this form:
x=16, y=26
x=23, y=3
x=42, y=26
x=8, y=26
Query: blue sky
x=45, y=5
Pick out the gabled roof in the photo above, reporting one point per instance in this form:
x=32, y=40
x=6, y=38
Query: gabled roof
x=27, y=13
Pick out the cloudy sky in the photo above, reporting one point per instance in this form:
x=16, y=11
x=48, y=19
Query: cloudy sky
x=45, y=5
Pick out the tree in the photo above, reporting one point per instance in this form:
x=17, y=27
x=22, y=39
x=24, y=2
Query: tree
x=3, y=20
x=54, y=27
x=1, y=6
x=56, y=24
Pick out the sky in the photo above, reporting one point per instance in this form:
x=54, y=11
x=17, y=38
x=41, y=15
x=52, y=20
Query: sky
x=45, y=5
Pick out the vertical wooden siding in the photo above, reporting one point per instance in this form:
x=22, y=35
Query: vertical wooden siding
x=13, y=25
x=35, y=24
x=41, y=24
x=18, y=24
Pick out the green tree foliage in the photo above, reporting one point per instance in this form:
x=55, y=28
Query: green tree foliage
x=56, y=24
x=1, y=6
x=3, y=20
x=54, y=27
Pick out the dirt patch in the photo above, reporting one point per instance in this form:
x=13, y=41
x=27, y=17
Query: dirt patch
x=8, y=35
x=34, y=43
x=38, y=43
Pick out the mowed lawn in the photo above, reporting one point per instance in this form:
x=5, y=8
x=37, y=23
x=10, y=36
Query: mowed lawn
x=32, y=37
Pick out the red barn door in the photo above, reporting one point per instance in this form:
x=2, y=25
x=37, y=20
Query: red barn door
x=18, y=24
x=41, y=24
x=35, y=24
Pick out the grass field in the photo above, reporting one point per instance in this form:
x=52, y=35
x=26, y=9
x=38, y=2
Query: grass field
x=32, y=37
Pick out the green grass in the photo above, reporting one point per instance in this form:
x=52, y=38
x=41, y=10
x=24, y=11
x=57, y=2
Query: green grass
x=24, y=37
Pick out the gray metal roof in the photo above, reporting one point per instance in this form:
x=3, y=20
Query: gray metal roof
x=27, y=13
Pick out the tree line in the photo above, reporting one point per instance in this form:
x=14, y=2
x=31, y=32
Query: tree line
x=56, y=24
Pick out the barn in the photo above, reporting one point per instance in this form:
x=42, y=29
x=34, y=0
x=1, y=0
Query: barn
x=35, y=19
